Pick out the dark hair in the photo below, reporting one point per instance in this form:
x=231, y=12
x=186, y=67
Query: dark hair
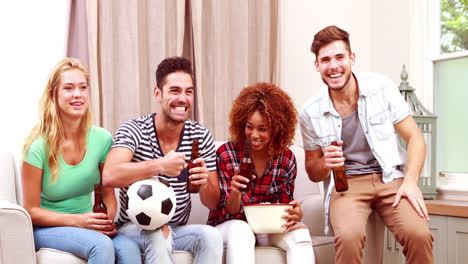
x=328, y=35
x=274, y=105
x=170, y=65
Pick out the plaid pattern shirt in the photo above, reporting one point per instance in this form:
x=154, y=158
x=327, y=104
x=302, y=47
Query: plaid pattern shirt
x=276, y=185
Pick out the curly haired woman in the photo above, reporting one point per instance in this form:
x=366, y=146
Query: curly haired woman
x=265, y=115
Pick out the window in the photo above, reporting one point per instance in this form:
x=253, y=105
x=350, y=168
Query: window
x=449, y=49
x=453, y=25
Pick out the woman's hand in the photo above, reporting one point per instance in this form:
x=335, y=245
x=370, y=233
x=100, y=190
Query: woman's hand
x=238, y=181
x=98, y=222
x=293, y=215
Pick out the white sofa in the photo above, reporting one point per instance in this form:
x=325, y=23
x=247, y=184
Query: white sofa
x=17, y=243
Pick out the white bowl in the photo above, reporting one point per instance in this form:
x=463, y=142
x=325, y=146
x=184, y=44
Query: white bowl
x=266, y=218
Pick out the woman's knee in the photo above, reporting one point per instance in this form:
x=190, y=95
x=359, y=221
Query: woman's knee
x=299, y=236
x=210, y=237
x=102, y=249
x=240, y=231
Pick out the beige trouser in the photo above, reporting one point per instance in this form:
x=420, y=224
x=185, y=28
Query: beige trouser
x=349, y=211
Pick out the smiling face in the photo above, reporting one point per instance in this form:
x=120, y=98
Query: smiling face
x=176, y=97
x=258, y=131
x=334, y=64
x=72, y=94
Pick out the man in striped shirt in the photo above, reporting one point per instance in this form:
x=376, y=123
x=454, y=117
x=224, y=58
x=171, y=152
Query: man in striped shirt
x=160, y=144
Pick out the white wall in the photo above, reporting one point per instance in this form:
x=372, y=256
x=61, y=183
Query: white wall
x=34, y=36
x=383, y=34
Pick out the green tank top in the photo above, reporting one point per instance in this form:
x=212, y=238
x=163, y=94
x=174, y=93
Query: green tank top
x=71, y=192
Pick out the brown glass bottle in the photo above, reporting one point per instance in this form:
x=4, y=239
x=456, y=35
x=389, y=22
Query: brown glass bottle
x=246, y=166
x=99, y=206
x=193, y=188
x=339, y=175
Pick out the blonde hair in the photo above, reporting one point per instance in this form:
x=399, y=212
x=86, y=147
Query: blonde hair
x=50, y=125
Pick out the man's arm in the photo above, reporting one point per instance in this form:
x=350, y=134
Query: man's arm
x=318, y=164
x=120, y=171
x=416, y=149
x=209, y=193
x=208, y=182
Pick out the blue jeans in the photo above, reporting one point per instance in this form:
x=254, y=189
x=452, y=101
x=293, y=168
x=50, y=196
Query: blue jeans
x=203, y=241
x=88, y=244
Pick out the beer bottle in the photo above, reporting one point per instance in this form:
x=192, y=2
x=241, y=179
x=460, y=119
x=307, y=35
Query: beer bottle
x=339, y=175
x=246, y=166
x=193, y=188
x=99, y=206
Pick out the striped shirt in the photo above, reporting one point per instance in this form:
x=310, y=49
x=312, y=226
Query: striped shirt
x=139, y=135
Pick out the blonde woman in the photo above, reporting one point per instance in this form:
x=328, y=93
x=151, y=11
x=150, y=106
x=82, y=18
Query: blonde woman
x=63, y=158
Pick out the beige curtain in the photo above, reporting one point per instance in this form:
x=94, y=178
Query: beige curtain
x=127, y=40
x=232, y=44
x=235, y=45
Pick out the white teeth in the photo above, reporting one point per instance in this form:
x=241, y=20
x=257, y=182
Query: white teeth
x=335, y=75
x=180, y=108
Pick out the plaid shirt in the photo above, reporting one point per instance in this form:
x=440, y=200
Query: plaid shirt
x=276, y=185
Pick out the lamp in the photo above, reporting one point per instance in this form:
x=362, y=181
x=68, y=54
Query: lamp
x=426, y=122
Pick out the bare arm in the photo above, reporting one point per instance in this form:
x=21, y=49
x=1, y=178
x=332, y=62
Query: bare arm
x=210, y=193
x=318, y=164
x=233, y=201
x=31, y=177
x=416, y=150
x=120, y=171
x=108, y=196
x=409, y=131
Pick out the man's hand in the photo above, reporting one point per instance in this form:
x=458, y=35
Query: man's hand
x=199, y=175
x=333, y=156
x=411, y=191
x=173, y=163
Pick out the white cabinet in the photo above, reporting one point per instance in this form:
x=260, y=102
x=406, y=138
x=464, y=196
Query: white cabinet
x=450, y=241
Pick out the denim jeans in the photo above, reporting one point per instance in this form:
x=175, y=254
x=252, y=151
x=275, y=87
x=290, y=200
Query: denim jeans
x=88, y=244
x=203, y=241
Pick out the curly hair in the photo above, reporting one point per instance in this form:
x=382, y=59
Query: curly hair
x=274, y=105
x=170, y=65
x=327, y=36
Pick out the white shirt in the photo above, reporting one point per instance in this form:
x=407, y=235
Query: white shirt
x=380, y=106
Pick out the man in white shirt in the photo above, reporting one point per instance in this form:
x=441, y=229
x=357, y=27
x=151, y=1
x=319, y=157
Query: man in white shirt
x=361, y=111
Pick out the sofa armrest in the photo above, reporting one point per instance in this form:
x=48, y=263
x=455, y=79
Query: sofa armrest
x=16, y=234
x=313, y=213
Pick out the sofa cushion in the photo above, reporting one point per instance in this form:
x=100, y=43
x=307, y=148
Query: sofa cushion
x=52, y=256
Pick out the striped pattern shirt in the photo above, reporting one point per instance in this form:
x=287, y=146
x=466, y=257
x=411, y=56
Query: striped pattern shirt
x=139, y=135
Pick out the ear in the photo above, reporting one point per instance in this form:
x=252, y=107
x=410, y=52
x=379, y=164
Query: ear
x=157, y=92
x=352, y=58
x=316, y=65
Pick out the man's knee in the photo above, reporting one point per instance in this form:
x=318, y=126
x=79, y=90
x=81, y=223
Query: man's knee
x=158, y=240
x=417, y=235
x=350, y=235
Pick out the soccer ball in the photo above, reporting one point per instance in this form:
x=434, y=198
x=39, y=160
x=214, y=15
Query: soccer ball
x=151, y=203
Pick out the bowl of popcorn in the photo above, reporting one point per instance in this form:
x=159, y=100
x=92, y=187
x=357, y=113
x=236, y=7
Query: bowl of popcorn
x=266, y=218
